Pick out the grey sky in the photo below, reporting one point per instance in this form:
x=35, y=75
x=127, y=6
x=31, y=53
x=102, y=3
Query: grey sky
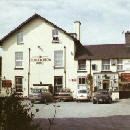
x=102, y=20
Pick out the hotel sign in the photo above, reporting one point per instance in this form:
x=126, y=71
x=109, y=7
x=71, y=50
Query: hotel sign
x=40, y=59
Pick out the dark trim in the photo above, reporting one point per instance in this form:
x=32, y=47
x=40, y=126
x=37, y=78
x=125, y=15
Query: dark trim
x=58, y=67
x=84, y=71
x=18, y=68
x=42, y=84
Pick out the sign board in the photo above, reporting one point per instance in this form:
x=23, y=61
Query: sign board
x=40, y=59
x=6, y=83
x=125, y=77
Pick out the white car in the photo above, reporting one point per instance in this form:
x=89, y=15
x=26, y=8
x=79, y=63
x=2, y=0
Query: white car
x=82, y=95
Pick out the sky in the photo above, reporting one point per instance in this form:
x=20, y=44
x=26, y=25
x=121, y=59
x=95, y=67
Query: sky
x=102, y=21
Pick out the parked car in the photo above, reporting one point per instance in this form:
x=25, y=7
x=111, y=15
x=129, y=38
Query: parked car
x=35, y=95
x=102, y=96
x=63, y=96
x=38, y=95
x=82, y=95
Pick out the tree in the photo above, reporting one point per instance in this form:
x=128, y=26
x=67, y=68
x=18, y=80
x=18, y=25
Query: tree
x=14, y=115
x=89, y=81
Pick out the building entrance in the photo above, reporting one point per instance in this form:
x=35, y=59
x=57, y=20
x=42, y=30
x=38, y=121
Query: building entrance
x=105, y=84
x=58, y=83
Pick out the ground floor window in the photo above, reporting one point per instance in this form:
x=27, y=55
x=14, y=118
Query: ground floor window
x=19, y=83
x=58, y=83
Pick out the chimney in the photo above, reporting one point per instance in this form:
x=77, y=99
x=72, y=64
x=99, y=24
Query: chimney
x=77, y=29
x=127, y=38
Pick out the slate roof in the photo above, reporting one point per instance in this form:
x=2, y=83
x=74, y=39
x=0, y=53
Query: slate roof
x=104, y=51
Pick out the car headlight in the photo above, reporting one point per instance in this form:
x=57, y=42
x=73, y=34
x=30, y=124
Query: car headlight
x=94, y=98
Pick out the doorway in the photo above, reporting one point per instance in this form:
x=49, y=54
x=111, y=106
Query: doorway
x=58, y=83
x=106, y=84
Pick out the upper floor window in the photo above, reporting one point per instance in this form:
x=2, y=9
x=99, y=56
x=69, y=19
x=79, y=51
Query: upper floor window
x=55, y=35
x=20, y=38
x=18, y=59
x=58, y=58
x=82, y=65
x=105, y=64
x=119, y=64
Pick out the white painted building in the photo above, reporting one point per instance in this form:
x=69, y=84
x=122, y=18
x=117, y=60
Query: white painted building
x=38, y=53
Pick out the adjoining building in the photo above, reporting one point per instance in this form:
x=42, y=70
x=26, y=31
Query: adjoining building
x=40, y=54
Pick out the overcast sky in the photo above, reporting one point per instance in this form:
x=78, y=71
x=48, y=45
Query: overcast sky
x=102, y=21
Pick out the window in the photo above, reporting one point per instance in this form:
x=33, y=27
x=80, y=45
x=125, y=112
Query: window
x=19, y=83
x=18, y=59
x=94, y=67
x=58, y=83
x=105, y=64
x=58, y=58
x=82, y=65
x=119, y=64
x=81, y=81
x=55, y=35
x=20, y=38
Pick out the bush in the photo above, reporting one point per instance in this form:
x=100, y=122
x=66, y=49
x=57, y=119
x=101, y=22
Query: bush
x=14, y=115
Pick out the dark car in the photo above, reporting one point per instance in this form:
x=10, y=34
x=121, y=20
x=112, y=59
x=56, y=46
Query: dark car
x=38, y=95
x=63, y=96
x=102, y=96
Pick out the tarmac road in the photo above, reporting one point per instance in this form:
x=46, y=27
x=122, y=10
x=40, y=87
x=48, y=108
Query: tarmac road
x=84, y=116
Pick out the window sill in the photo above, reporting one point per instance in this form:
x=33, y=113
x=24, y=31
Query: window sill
x=58, y=67
x=55, y=41
x=21, y=43
x=81, y=71
x=18, y=68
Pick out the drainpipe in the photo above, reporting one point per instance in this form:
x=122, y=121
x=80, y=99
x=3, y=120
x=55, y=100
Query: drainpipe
x=29, y=73
x=65, y=64
x=90, y=67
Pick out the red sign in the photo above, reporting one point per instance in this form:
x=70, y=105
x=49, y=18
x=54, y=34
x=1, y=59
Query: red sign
x=6, y=83
x=125, y=77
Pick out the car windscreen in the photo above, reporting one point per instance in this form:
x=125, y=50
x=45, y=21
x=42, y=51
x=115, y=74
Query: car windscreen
x=82, y=91
x=36, y=90
x=102, y=93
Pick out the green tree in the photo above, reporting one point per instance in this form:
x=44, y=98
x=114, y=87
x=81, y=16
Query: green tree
x=14, y=115
x=89, y=81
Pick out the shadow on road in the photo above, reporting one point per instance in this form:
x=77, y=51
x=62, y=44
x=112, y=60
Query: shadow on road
x=120, y=122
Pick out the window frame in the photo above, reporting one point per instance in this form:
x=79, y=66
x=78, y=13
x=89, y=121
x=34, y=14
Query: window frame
x=81, y=78
x=106, y=64
x=20, y=38
x=120, y=64
x=18, y=60
x=19, y=86
x=57, y=60
x=55, y=36
x=80, y=65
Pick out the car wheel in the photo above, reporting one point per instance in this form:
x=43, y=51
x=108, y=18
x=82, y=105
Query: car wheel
x=110, y=101
x=94, y=102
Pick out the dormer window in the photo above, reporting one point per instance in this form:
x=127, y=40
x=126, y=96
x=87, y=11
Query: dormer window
x=55, y=36
x=20, y=38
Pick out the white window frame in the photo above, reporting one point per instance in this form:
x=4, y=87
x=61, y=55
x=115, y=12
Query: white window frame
x=20, y=38
x=105, y=66
x=58, y=61
x=119, y=65
x=81, y=65
x=19, y=86
x=55, y=35
x=18, y=60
